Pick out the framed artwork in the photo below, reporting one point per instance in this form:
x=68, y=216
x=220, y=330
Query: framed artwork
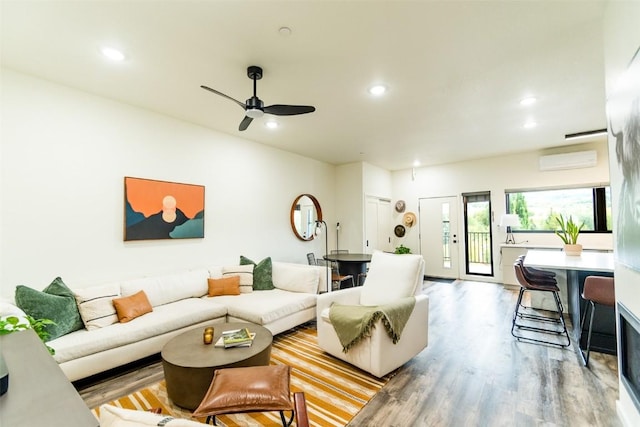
x=623, y=108
x=162, y=210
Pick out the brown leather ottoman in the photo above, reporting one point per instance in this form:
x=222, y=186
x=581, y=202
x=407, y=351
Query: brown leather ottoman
x=252, y=389
x=188, y=364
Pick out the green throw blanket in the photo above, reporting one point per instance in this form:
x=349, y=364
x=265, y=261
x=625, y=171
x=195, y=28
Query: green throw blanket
x=352, y=323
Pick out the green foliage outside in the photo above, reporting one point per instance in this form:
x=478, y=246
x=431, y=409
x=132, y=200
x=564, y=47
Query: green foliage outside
x=478, y=217
x=12, y=324
x=538, y=210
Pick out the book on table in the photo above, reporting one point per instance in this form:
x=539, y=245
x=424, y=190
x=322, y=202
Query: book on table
x=236, y=338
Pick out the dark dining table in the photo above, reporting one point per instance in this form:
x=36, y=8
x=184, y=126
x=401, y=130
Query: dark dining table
x=350, y=263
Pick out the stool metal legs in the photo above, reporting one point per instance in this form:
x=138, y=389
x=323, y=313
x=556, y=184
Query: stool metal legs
x=585, y=357
x=285, y=423
x=538, y=318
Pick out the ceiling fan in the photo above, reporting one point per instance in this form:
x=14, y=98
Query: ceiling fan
x=254, y=106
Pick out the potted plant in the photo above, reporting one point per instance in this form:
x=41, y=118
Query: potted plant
x=11, y=324
x=403, y=250
x=569, y=232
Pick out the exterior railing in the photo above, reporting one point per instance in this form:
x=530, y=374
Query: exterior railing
x=479, y=247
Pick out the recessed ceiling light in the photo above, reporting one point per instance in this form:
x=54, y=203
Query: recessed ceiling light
x=377, y=90
x=113, y=54
x=284, y=31
x=271, y=124
x=416, y=163
x=530, y=124
x=528, y=100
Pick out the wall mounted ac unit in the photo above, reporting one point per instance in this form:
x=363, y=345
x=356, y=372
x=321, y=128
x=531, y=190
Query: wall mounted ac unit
x=577, y=160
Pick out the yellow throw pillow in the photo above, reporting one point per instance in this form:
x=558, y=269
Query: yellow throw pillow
x=128, y=308
x=225, y=286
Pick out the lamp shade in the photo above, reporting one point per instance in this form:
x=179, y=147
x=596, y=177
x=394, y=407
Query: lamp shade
x=509, y=220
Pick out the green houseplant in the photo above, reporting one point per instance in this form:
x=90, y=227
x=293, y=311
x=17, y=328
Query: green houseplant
x=11, y=324
x=402, y=250
x=569, y=232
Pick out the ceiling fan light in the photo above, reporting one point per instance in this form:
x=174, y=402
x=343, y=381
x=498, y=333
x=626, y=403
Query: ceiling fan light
x=255, y=113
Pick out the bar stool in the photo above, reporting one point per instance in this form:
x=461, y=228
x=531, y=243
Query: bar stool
x=597, y=290
x=543, y=283
x=535, y=273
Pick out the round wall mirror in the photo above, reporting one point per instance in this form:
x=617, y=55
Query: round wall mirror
x=305, y=211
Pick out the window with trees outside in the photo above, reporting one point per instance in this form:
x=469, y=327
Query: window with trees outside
x=538, y=209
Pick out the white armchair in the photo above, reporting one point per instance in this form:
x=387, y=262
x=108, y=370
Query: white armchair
x=390, y=277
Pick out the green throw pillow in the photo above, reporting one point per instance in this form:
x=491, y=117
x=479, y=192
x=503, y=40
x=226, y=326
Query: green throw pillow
x=262, y=273
x=56, y=302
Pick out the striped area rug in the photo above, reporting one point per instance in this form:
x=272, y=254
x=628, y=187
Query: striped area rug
x=335, y=391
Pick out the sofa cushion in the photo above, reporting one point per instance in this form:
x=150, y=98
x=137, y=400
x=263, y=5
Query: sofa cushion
x=96, y=305
x=163, y=319
x=168, y=288
x=262, y=273
x=113, y=416
x=224, y=286
x=391, y=277
x=55, y=302
x=245, y=272
x=265, y=307
x=128, y=308
x=215, y=272
x=294, y=278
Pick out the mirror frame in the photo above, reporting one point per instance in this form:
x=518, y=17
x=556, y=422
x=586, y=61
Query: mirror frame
x=316, y=205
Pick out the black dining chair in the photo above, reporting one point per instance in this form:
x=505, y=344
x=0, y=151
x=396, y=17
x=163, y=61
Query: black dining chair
x=361, y=276
x=336, y=277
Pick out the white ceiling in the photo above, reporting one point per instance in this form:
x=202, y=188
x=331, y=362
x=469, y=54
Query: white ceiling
x=456, y=70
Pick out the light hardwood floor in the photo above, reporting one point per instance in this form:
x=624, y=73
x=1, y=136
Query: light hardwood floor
x=473, y=372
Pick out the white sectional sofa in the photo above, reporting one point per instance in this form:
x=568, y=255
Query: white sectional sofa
x=180, y=302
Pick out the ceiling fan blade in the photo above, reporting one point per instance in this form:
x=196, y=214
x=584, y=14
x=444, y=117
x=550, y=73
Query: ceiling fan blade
x=244, y=124
x=223, y=95
x=288, y=110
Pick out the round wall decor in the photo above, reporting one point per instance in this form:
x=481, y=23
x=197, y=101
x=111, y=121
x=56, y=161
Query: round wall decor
x=400, y=206
x=409, y=219
x=399, y=230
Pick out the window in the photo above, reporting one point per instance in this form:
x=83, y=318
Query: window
x=537, y=209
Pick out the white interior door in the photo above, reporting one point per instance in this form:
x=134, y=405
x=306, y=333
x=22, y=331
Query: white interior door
x=371, y=225
x=384, y=225
x=439, y=236
x=377, y=225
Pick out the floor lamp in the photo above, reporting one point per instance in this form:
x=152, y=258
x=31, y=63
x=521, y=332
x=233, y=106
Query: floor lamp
x=318, y=231
x=508, y=221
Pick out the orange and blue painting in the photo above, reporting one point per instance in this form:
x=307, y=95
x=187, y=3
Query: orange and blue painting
x=162, y=210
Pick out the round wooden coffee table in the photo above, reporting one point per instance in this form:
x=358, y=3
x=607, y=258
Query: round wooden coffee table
x=189, y=364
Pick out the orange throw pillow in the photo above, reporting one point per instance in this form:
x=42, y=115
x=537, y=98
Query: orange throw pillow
x=226, y=286
x=128, y=308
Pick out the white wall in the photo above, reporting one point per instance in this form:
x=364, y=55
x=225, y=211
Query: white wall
x=496, y=174
x=64, y=156
x=622, y=40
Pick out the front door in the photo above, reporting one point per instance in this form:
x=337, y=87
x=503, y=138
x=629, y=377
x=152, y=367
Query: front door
x=439, y=236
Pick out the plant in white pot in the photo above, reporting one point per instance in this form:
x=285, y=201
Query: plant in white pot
x=569, y=232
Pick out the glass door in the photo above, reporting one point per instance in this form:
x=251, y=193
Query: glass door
x=477, y=225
